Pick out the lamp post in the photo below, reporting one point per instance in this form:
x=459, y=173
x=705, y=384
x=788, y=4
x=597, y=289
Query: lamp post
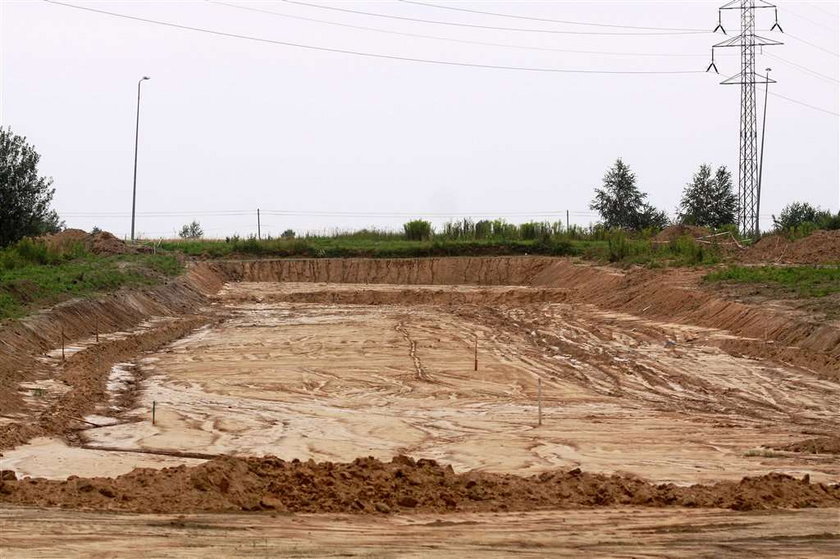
x=136, y=141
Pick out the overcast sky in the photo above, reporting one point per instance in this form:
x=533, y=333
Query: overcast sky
x=229, y=124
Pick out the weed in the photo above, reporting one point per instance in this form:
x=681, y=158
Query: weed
x=801, y=281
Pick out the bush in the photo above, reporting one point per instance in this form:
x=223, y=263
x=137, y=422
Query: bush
x=418, y=230
x=191, y=231
x=618, y=247
x=288, y=234
x=688, y=250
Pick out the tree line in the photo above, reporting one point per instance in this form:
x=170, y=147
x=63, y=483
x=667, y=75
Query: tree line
x=708, y=200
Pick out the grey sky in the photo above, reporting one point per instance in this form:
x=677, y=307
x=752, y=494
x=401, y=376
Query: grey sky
x=229, y=124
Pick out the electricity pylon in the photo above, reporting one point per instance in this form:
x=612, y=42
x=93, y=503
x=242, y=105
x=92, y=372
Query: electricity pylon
x=748, y=163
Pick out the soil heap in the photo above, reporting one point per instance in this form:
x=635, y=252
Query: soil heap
x=367, y=485
x=674, y=232
x=821, y=247
x=101, y=242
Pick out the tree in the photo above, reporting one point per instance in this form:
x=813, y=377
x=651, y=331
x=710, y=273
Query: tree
x=25, y=197
x=709, y=201
x=622, y=205
x=288, y=234
x=650, y=217
x=798, y=213
x=191, y=231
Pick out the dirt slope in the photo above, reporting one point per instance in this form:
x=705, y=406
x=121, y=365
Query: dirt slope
x=821, y=247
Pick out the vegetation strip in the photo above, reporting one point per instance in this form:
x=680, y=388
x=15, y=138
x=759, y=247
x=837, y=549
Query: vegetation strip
x=804, y=281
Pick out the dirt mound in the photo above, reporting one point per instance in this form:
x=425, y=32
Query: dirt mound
x=821, y=247
x=367, y=485
x=818, y=445
x=673, y=232
x=101, y=242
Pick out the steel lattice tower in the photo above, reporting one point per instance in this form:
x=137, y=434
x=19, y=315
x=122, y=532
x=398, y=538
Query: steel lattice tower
x=749, y=183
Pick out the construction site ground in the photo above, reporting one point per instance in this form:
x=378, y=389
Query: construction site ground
x=499, y=376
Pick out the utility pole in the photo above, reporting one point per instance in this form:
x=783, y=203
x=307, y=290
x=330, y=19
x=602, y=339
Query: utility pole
x=259, y=236
x=748, y=158
x=136, y=142
x=763, y=132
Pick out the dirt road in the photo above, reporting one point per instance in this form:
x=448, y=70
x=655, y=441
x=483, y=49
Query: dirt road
x=594, y=533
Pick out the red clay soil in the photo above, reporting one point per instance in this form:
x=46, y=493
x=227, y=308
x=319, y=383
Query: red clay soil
x=821, y=247
x=367, y=485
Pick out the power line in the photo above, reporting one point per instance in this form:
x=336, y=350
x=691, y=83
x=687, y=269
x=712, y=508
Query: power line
x=325, y=213
x=809, y=20
x=803, y=68
x=492, y=27
x=568, y=22
x=442, y=38
x=804, y=104
x=814, y=6
x=801, y=40
x=367, y=54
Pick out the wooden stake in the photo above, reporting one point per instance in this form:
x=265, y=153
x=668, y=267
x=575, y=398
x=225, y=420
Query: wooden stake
x=62, y=344
x=475, y=368
x=539, y=401
x=97, y=331
x=153, y=412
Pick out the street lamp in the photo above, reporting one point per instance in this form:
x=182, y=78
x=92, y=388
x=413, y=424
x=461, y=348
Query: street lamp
x=136, y=141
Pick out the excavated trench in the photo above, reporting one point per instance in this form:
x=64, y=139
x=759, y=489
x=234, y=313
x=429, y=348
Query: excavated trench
x=643, y=373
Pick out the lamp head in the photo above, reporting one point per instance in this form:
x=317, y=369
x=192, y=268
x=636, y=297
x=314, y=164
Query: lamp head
x=145, y=78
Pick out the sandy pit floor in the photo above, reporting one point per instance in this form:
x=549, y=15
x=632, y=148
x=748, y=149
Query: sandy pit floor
x=334, y=381
x=334, y=372
x=593, y=533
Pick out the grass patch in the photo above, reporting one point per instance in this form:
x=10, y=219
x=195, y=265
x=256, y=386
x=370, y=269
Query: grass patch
x=618, y=248
x=799, y=281
x=32, y=276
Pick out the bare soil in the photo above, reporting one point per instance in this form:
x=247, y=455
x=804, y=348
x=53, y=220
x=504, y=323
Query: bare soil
x=655, y=393
x=615, y=533
x=101, y=242
x=821, y=247
x=367, y=485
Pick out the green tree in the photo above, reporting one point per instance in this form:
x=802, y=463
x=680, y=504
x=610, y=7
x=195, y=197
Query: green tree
x=191, y=231
x=25, y=197
x=796, y=214
x=709, y=201
x=650, y=217
x=622, y=205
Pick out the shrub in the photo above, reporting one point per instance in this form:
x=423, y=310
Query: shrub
x=418, y=230
x=618, y=247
